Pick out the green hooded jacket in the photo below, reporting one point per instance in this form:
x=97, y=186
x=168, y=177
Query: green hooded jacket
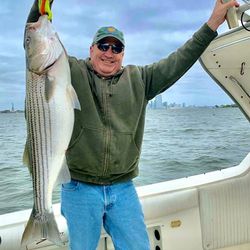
x=108, y=131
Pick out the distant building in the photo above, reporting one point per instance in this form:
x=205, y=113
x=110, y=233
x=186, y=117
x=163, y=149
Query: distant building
x=158, y=102
x=11, y=110
x=12, y=107
x=165, y=105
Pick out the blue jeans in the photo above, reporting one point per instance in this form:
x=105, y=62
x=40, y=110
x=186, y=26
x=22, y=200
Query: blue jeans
x=87, y=207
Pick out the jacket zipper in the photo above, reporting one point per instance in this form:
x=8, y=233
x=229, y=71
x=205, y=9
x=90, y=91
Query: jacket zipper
x=107, y=130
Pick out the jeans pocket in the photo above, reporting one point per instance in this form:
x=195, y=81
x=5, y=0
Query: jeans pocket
x=73, y=185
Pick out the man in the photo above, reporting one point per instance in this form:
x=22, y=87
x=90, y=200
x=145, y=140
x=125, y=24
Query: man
x=105, y=146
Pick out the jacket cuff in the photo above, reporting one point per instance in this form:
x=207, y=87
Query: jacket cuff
x=205, y=34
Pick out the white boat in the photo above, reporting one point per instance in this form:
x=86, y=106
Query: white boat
x=208, y=211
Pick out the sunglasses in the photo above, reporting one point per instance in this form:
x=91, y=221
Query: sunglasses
x=116, y=49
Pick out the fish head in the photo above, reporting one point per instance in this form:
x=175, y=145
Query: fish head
x=42, y=45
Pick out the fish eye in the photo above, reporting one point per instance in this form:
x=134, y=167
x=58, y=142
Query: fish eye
x=28, y=40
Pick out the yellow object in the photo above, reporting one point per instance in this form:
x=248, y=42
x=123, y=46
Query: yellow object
x=44, y=8
x=175, y=223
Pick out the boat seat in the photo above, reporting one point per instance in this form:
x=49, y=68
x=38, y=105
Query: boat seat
x=224, y=211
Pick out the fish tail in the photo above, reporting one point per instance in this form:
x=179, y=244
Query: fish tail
x=40, y=228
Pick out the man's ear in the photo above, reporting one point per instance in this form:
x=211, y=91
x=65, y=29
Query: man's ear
x=91, y=49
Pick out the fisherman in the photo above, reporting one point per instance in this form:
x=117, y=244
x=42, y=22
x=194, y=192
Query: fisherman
x=105, y=147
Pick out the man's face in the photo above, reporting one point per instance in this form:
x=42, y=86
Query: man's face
x=106, y=63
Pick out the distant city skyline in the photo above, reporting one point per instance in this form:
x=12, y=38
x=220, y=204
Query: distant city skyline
x=158, y=103
x=155, y=103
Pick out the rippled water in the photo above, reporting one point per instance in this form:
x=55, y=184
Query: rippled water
x=184, y=142
x=177, y=143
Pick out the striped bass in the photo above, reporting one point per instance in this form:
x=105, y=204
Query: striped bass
x=50, y=102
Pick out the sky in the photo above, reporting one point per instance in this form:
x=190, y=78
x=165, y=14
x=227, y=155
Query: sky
x=152, y=29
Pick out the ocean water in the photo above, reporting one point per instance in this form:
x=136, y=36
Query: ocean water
x=177, y=143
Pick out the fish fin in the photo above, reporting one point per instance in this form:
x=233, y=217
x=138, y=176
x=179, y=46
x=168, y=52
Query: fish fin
x=49, y=87
x=41, y=227
x=64, y=174
x=26, y=157
x=73, y=97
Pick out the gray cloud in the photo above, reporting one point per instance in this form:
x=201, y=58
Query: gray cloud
x=152, y=30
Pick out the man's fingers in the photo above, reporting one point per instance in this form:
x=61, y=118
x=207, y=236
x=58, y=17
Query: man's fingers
x=229, y=4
